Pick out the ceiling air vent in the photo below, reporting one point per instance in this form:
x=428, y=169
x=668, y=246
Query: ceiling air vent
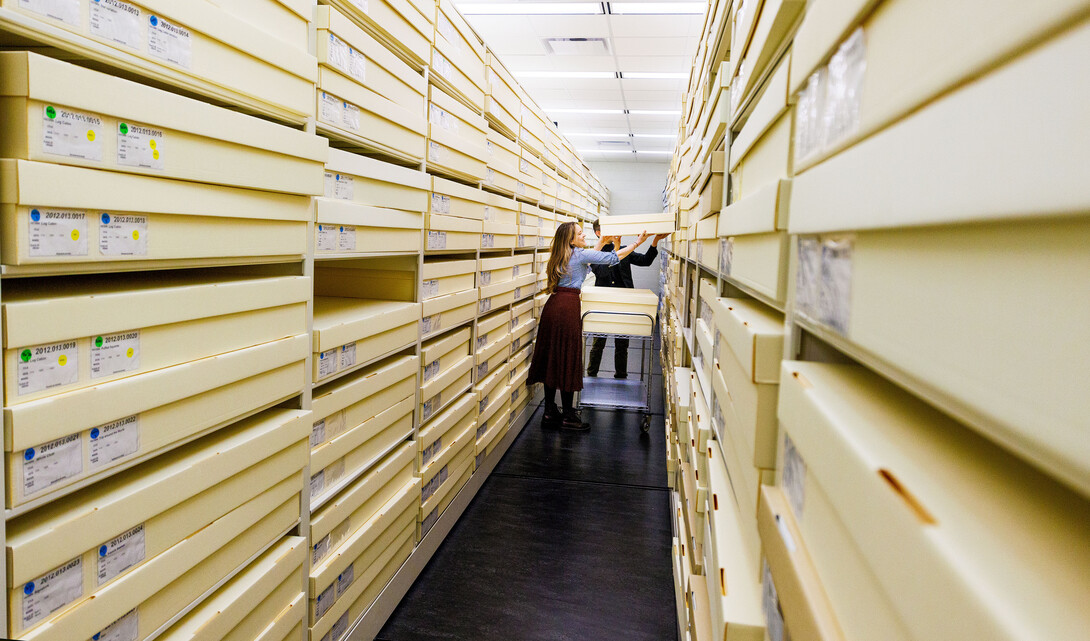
x=577, y=46
x=615, y=144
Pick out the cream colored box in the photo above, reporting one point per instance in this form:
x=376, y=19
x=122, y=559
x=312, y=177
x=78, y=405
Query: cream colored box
x=501, y=103
x=531, y=170
x=499, y=407
x=501, y=209
x=439, y=354
x=490, y=430
x=498, y=235
x=527, y=192
x=461, y=45
x=378, y=184
x=273, y=615
x=747, y=450
x=457, y=138
x=749, y=408
x=953, y=278
x=346, y=229
x=115, y=214
x=497, y=295
x=351, y=400
x=525, y=287
x=111, y=329
x=404, y=26
x=215, y=54
x=758, y=261
x=498, y=347
x=804, y=607
x=457, y=447
x=440, y=433
x=451, y=233
x=896, y=473
x=444, y=497
x=772, y=35
x=754, y=332
x=491, y=327
x=982, y=177
x=364, y=120
x=284, y=19
x=447, y=478
x=524, y=335
x=189, y=569
x=504, y=158
x=488, y=388
x=635, y=224
x=446, y=389
x=288, y=625
x=337, y=463
x=448, y=369
x=448, y=311
x=332, y=582
x=57, y=112
x=496, y=270
x=608, y=310
x=250, y=599
x=349, y=332
x=347, y=512
x=442, y=277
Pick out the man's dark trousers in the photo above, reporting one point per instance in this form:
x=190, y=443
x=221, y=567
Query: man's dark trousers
x=616, y=276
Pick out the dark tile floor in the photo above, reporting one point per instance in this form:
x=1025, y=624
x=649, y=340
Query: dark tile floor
x=568, y=540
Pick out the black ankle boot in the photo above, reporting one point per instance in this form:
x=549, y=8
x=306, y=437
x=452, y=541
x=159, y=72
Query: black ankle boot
x=571, y=420
x=551, y=417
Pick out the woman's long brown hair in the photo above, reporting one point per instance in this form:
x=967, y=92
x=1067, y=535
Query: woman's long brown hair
x=560, y=254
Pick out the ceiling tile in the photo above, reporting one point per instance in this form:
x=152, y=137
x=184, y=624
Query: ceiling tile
x=654, y=84
x=657, y=25
x=672, y=97
x=582, y=63
x=654, y=46
x=567, y=26
x=654, y=105
x=673, y=64
x=603, y=93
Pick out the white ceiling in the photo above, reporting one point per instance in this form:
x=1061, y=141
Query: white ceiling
x=657, y=43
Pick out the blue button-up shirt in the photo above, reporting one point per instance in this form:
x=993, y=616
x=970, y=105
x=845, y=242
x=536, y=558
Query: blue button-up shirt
x=578, y=265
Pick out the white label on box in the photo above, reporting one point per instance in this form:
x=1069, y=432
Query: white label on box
x=317, y=484
x=346, y=238
x=63, y=10
x=514, y=323
x=338, y=53
x=351, y=116
x=335, y=424
x=328, y=184
x=430, y=370
x=431, y=406
x=522, y=241
x=334, y=473
x=490, y=177
x=57, y=233
x=440, y=204
x=482, y=370
x=478, y=460
x=326, y=237
x=327, y=362
x=433, y=485
x=835, y=295
x=514, y=395
x=482, y=340
x=123, y=235
x=488, y=241
x=518, y=293
x=46, y=366
x=447, y=29
x=794, y=477
x=482, y=429
x=486, y=278
x=429, y=521
x=515, y=271
x=75, y=134
x=115, y=353
x=488, y=215
x=441, y=65
x=50, y=463
x=120, y=553
x=114, y=441
x=437, y=240
x=431, y=288
x=435, y=152
x=430, y=451
x=431, y=323
x=126, y=628
x=808, y=116
x=357, y=65
x=51, y=592
x=485, y=306
x=516, y=343
x=325, y=601
x=523, y=219
x=726, y=255
x=140, y=146
x=330, y=109
x=844, y=89
x=483, y=403
x=117, y=21
x=170, y=42
x=320, y=549
x=808, y=277
x=362, y=4
x=525, y=166
x=345, y=579
x=340, y=628
x=317, y=434
x=521, y=189
x=770, y=603
x=348, y=356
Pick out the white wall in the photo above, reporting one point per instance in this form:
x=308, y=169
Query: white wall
x=635, y=188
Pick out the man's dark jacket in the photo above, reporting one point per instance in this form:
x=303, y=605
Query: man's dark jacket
x=621, y=275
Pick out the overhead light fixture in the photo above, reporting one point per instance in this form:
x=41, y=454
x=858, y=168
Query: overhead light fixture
x=531, y=8
x=656, y=153
x=654, y=112
x=594, y=135
x=587, y=111
x=653, y=135
x=605, y=151
x=654, y=75
x=657, y=8
x=566, y=74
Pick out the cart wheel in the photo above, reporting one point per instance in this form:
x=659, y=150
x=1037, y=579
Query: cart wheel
x=646, y=425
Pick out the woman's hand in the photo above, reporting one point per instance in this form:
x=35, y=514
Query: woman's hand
x=641, y=238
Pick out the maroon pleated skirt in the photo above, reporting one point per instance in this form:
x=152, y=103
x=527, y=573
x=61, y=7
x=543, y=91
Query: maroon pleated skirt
x=558, y=350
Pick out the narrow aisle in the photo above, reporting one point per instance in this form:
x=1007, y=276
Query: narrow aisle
x=568, y=540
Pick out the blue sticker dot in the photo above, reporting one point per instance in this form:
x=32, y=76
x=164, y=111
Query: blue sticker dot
x=105, y=219
x=95, y=638
x=154, y=21
x=342, y=228
x=321, y=356
x=102, y=551
x=35, y=215
x=28, y=589
x=338, y=176
x=94, y=433
x=29, y=454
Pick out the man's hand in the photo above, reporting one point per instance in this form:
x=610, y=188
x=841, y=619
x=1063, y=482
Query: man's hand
x=642, y=237
x=655, y=242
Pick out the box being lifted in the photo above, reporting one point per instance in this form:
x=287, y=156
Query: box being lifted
x=57, y=218
x=635, y=224
x=367, y=96
x=198, y=47
x=56, y=112
x=614, y=311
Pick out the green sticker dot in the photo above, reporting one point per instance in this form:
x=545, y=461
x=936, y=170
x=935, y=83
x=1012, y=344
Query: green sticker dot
x=98, y=341
x=124, y=129
x=51, y=112
x=25, y=355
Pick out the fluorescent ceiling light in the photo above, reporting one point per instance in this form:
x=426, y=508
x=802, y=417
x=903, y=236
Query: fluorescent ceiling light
x=653, y=112
x=566, y=74
x=605, y=151
x=587, y=111
x=593, y=135
x=653, y=135
x=530, y=8
x=644, y=8
x=656, y=153
x=653, y=75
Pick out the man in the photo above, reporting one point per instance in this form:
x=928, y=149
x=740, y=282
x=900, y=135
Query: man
x=619, y=275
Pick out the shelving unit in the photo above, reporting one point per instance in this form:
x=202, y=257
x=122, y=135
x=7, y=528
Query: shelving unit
x=861, y=287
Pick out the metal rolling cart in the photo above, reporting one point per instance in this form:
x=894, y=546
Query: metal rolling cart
x=622, y=394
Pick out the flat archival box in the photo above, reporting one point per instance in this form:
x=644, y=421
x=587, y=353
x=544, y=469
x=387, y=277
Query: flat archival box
x=635, y=224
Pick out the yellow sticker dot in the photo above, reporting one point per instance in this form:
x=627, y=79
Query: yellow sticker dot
x=75, y=234
x=151, y=143
x=63, y=360
x=135, y=234
x=91, y=135
x=155, y=154
x=129, y=352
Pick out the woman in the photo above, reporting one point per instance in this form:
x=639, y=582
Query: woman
x=558, y=354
